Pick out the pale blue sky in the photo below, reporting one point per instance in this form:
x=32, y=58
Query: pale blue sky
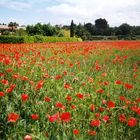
x=62, y=11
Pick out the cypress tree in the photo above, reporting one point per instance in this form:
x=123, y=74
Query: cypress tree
x=72, y=29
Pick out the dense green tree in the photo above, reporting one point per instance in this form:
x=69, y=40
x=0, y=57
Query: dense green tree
x=30, y=30
x=89, y=27
x=82, y=32
x=101, y=23
x=136, y=30
x=45, y=29
x=125, y=29
x=38, y=29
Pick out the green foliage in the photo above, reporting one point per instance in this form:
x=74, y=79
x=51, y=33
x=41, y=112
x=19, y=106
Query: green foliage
x=64, y=33
x=125, y=29
x=45, y=29
x=6, y=32
x=20, y=32
x=11, y=39
x=36, y=39
x=101, y=23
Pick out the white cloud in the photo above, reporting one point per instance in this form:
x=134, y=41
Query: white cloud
x=63, y=11
x=16, y=5
x=115, y=11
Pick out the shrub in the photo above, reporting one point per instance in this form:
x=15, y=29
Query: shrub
x=11, y=39
x=36, y=39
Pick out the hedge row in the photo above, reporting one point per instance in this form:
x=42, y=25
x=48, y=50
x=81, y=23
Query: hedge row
x=36, y=39
x=119, y=37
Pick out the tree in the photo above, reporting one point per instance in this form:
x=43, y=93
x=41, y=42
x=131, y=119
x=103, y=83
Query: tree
x=125, y=29
x=82, y=32
x=49, y=30
x=89, y=27
x=38, y=29
x=20, y=32
x=13, y=26
x=30, y=30
x=136, y=30
x=101, y=23
x=72, y=29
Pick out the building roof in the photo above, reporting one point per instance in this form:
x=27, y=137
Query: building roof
x=7, y=28
x=4, y=27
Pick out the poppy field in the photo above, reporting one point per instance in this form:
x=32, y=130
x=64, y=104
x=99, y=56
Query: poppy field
x=70, y=91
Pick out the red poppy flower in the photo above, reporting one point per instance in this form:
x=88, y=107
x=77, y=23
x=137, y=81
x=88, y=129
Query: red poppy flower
x=92, y=133
x=15, y=76
x=110, y=104
x=104, y=101
x=80, y=96
x=24, y=97
x=76, y=131
x=122, y=118
x=69, y=98
x=92, y=107
x=53, y=118
x=65, y=116
x=134, y=108
x=132, y=122
x=13, y=117
x=1, y=94
x=106, y=83
x=65, y=72
x=58, y=77
x=24, y=78
x=5, y=82
x=101, y=109
x=34, y=116
x=104, y=74
x=138, y=100
x=59, y=105
x=138, y=111
x=47, y=99
x=67, y=86
x=27, y=137
x=73, y=106
x=90, y=80
x=97, y=67
x=100, y=91
x=39, y=84
x=11, y=88
x=122, y=98
x=128, y=86
x=97, y=115
x=7, y=60
x=105, y=118
x=118, y=82
x=9, y=70
x=95, y=123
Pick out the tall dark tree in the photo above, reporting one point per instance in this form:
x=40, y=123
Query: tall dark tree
x=72, y=29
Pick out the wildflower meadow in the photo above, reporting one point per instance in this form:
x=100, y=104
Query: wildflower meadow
x=70, y=91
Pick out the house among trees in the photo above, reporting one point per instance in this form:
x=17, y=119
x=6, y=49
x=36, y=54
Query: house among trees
x=11, y=27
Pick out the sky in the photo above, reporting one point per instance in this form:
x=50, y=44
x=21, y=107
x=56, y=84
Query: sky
x=62, y=12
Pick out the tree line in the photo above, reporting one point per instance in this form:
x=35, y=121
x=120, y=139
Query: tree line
x=86, y=31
